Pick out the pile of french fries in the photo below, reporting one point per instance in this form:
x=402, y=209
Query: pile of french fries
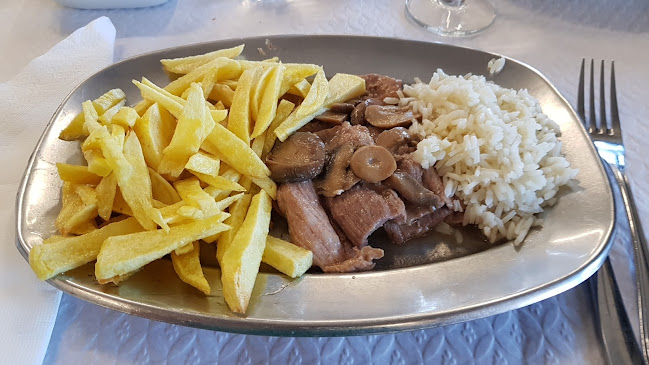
x=183, y=165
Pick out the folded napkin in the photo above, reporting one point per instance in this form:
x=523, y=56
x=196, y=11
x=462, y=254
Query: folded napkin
x=28, y=306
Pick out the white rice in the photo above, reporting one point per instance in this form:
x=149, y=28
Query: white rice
x=494, y=148
x=495, y=65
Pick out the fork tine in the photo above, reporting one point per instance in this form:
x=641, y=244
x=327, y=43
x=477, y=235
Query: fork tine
x=602, y=102
x=615, y=115
x=592, y=120
x=580, y=94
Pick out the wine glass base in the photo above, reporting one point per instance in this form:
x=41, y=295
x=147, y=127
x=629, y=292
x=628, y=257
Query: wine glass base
x=455, y=18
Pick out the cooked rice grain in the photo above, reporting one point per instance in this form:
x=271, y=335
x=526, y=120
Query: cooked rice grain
x=494, y=148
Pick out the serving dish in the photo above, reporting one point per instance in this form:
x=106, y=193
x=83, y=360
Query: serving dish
x=109, y=4
x=424, y=283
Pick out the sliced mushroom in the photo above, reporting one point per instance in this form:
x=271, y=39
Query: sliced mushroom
x=330, y=117
x=389, y=116
x=338, y=177
x=344, y=108
x=299, y=158
x=358, y=114
x=381, y=86
x=393, y=139
x=373, y=163
x=411, y=190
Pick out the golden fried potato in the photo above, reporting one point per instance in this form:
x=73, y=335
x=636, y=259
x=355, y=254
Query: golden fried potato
x=235, y=152
x=60, y=254
x=187, y=64
x=77, y=174
x=341, y=87
x=300, y=89
x=106, y=191
x=75, y=129
x=194, y=124
x=239, y=118
x=155, y=130
x=284, y=109
x=124, y=254
x=108, y=115
x=240, y=262
x=222, y=93
x=161, y=189
x=286, y=257
x=188, y=267
x=203, y=163
x=126, y=117
x=268, y=101
x=238, y=212
x=191, y=192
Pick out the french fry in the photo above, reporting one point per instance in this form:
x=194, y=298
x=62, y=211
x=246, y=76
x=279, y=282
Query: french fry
x=222, y=93
x=316, y=97
x=240, y=262
x=227, y=69
x=295, y=73
x=97, y=163
x=126, y=117
x=239, y=118
x=151, y=93
x=236, y=153
x=106, y=191
x=155, y=130
x=136, y=189
x=187, y=64
x=203, y=163
x=77, y=174
x=268, y=102
x=257, y=90
x=300, y=89
x=341, y=87
x=191, y=192
x=218, y=182
x=238, y=212
x=161, y=189
x=122, y=255
x=194, y=125
x=67, y=253
x=90, y=117
x=188, y=268
x=286, y=257
x=185, y=249
x=75, y=129
x=108, y=115
x=284, y=109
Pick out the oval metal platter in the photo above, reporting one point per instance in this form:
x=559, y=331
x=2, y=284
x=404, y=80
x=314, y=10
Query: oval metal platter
x=428, y=282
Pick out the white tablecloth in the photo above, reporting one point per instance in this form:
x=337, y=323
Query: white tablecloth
x=551, y=35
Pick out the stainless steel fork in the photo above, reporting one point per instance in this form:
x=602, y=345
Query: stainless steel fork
x=607, y=138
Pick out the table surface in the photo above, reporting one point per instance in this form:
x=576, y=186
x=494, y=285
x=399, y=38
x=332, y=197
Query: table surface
x=552, y=36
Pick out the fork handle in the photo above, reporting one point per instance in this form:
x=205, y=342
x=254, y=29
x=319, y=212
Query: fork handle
x=641, y=253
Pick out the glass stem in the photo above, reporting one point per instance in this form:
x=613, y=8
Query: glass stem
x=453, y=3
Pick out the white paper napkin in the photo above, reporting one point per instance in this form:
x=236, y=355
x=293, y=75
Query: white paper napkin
x=28, y=307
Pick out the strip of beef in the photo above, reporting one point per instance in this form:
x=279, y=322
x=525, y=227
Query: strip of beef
x=357, y=259
x=310, y=228
x=361, y=210
x=400, y=233
x=381, y=86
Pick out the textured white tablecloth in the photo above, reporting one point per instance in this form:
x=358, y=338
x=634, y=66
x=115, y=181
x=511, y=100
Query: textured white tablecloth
x=551, y=35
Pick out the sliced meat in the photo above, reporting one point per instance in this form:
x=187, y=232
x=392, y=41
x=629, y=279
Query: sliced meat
x=400, y=233
x=455, y=218
x=408, y=165
x=389, y=116
x=309, y=227
x=308, y=223
x=332, y=118
x=301, y=157
x=381, y=86
x=362, y=260
x=316, y=127
x=360, y=211
x=412, y=190
x=346, y=134
x=434, y=183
